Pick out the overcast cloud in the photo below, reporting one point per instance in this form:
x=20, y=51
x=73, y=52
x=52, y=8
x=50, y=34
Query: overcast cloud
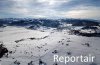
x=50, y=8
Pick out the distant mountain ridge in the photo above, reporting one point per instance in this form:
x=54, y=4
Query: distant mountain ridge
x=46, y=22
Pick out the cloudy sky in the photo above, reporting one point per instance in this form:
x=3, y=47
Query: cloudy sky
x=50, y=9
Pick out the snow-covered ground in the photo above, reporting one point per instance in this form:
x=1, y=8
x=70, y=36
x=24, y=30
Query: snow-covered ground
x=31, y=45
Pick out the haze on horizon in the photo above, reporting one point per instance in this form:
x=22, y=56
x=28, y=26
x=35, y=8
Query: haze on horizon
x=88, y=9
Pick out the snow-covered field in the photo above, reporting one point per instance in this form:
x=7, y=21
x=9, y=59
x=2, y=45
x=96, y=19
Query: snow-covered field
x=28, y=46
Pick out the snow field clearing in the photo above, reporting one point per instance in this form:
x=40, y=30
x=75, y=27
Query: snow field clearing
x=31, y=45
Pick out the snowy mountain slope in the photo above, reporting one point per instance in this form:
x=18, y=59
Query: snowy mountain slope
x=27, y=45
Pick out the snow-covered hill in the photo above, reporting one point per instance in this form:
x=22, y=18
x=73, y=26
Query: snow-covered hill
x=28, y=47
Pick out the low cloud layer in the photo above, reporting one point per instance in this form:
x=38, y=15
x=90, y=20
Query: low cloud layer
x=50, y=9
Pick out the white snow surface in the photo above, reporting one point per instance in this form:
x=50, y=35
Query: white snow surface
x=28, y=50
